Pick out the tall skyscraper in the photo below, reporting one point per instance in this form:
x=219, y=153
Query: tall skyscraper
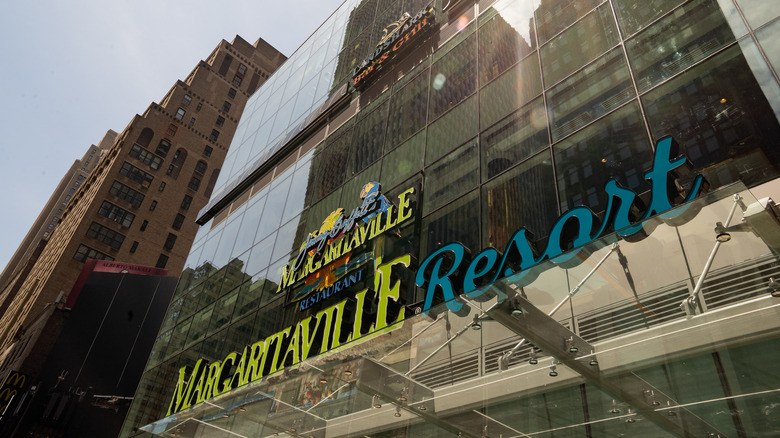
x=50, y=215
x=139, y=204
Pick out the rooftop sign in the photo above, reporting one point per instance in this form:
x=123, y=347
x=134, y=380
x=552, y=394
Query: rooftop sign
x=398, y=36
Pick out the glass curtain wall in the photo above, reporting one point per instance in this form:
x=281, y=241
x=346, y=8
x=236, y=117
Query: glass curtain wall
x=510, y=113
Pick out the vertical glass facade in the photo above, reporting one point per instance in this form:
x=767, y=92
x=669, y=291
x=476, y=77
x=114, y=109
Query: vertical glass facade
x=505, y=115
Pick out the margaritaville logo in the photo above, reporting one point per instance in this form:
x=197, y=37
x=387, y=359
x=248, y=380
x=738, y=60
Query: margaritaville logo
x=340, y=234
x=446, y=271
x=398, y=36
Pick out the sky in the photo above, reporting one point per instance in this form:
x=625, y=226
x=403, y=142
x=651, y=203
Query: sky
x=71, y=70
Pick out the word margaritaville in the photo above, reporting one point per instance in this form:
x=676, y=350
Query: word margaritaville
x=446, y=271
x=330, y=245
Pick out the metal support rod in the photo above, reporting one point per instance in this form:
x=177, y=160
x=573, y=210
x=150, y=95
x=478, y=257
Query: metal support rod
x=690, y=303
x=508, y=355
x=441, y=347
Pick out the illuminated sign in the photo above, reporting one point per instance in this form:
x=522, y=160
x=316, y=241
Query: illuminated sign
x=340, y=234
x=14, y=385
x=322, y=332
x=397, y=37
x=490, y=265
x=331, y=280
x=328, y=266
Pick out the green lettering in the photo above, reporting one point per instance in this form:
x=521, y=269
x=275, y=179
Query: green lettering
x=390, y=223
x=372, y=225
x=183, y=391
x=386, y=291
x=288, y=278
x=211, y=380
x=363, y=231
x=357, y=324
x=278, y=337
x=253, y=370
x=229, y=360
x=404, y=212
x=335, y=340
x=293, y=347
x=306, y=339
x=239, y=372
x=355, y=238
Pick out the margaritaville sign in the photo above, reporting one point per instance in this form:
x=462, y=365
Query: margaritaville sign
x=447, y=272
x=329, y=248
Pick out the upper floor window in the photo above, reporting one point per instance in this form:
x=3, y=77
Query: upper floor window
x=163, y=148
x=105, y=235
x=84, y=252
x=186, y=99
x=226, y=106
x=170, y=241
x=145, y=156
x=200, y=167
x=214, y=135
x=145, y=137
x=194, y=183
x=179, y=114
x=220, y=120
x=116, y=214
x=207, y=151
x=121, y=191
x=136, y=174
x=232, y=93
x=186, y=202
x=241, y=69
x=178, y=221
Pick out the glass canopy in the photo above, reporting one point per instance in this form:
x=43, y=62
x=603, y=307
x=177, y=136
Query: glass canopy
x=671, y=331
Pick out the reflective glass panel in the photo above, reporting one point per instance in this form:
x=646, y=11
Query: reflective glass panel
x=758, y=12
x=513, y=139
x=578, y=45
x=451, y=130
x=617, y=147
x=633, y=16
x=720, y=117
x=408, y=109
x=505, y=37
x=404, y=161
x=509, y=92
x=451, y=176
x=522, y=197
x=555, y=15
x=599, y=88
x=453, y=77
x=695, y=31
x=454, y=223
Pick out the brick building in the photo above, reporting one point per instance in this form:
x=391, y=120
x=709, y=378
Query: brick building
x=139, y=205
